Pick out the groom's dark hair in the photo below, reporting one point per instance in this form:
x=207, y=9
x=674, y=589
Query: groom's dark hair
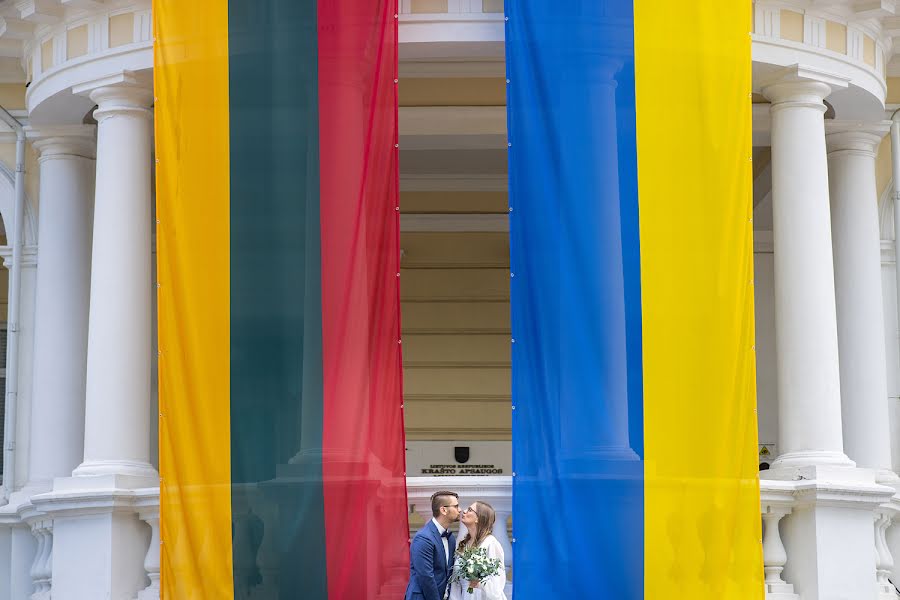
x=439, y=499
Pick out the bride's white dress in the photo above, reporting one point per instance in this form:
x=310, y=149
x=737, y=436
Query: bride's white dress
x=492, y=589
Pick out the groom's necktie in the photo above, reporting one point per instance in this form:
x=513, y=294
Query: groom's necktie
x=446, y=534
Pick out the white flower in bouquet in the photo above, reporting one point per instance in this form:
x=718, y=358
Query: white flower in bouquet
x=474, y=564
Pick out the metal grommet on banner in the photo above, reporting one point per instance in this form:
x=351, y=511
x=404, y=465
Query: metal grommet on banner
x=513, y=341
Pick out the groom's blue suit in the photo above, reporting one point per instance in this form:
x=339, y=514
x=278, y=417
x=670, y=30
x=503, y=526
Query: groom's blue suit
x=429, y=570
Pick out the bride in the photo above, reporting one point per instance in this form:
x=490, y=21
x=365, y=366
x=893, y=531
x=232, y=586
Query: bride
x=479, y=519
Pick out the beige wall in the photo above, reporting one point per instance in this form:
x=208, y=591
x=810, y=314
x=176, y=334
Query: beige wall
x=121, y=30
x=46, y=55
x=492, y=6
x=76, y=42
x=429, y=6
x=836, y=37
x=459, y=91
x=12, y=96
x=791, y=25
x=454, y=286
x=883, y=166
x=8, y=157
x=869, y=50
x=455, y=318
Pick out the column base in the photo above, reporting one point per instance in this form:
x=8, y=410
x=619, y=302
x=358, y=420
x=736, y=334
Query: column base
x=812, y=458
x=124, y=471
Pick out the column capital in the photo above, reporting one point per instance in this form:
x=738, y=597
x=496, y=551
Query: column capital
x=122, y=93
x=855, y=137
x=64, y=141
x=799, y=85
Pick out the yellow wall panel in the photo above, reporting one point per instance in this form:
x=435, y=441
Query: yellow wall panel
x=464, y=349
x=429, y=6
x=883, y=165
x=791, y=25
x=454, y=202
x=121, y=30
x=868, y=51
x=454, y=382
x=432, y=416
x=452, y=91
x=423, y=317
x=12, y=96
x=46, y=55
x=454, y=284
x=76, y=42
x=430, y=250
x=836, y=37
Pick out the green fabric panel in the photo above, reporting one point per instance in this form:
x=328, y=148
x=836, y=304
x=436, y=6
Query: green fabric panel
x=276, y=315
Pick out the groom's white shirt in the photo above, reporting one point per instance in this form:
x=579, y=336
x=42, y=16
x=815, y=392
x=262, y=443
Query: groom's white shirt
x=441, y=531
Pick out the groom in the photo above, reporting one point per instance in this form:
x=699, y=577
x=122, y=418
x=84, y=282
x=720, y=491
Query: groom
x=431, y=554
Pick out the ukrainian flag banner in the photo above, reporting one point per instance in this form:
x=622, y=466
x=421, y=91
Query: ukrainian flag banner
x=281, y=431
x=634, y=429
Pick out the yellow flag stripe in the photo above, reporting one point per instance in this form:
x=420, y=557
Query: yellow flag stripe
x=192, y=135
x=702, y=522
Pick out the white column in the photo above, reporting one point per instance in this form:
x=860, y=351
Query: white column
x=809, y=400
x=117, y=412
x=61, y=303
x=857, y=272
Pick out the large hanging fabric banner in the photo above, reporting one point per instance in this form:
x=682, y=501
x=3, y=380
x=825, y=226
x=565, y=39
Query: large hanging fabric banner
x=281, y=431
x=634, y=430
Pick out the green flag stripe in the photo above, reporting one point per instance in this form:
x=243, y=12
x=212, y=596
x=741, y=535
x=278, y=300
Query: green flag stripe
x=276, y=339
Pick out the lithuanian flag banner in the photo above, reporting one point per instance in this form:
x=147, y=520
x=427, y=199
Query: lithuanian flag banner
x=281, y=431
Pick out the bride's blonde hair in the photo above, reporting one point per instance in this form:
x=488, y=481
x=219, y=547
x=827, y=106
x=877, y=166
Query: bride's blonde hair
x=483, y=527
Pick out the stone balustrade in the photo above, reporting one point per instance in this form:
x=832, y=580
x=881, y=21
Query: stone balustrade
x=778, y=500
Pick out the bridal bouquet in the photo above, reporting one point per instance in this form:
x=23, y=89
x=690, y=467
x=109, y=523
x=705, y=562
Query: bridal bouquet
x=473, y=564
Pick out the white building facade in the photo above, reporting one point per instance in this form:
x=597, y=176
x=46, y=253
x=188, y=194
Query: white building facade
x=80, y=504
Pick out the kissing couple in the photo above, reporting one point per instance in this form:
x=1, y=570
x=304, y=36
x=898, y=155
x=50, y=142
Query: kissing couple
x=435, y=556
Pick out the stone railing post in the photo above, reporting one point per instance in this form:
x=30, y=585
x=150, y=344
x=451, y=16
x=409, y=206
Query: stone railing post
x=147, y=505
x=777, y=500
x=884, y=561
x=42, y=567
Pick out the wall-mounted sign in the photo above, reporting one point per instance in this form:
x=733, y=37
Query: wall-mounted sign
x=766, y=455
x=457, y=458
